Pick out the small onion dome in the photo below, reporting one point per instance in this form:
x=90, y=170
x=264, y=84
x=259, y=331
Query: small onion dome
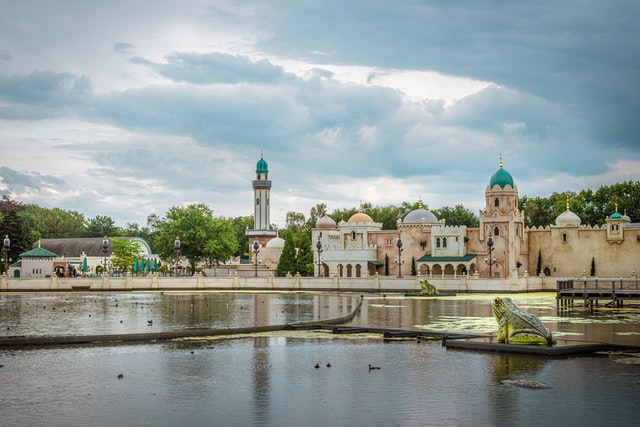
x=261, y=166
x=501, y=178
x=626, y=217
x=420, y=215
x=360, y=217
x=568, y=219
x=325, y=222
x=276, y=242
x=616, y=215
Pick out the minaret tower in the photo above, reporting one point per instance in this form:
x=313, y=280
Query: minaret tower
x=261, y=205
x=504, y=222
x=261, y=191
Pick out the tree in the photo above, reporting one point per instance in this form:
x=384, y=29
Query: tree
x=386, y=264
x=225, y=243
x=125, y=252
x=53, y=223
x=593, y=266
x=296, y=224
x=539, y=265
x=287, y=263
x=304, y=257
x=316, y=213
x=12, y=225
x=414, y=272
x=457, y=215
x=240, y=226
x=101, y=226
x=198, y=232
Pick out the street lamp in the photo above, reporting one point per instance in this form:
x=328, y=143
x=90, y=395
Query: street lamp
x=490, y=260
x=399, y=260
x=176, y=246
x=256, y=246
x=7, y=249
x=105, y=249
x=319, y=246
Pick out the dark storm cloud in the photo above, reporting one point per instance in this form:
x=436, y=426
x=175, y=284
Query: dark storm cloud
x=17, y=182
x=48, y=89
x=580, y=54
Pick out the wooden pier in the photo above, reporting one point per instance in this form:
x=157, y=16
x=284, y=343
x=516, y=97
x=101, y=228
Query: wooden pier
x=591, y=292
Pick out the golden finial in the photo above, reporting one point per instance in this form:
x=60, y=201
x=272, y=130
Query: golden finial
x=567, y=202
x=500, y=160
x=616, y=206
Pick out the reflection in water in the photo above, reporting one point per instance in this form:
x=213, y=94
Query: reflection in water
x=261, y=387
x=270, y=379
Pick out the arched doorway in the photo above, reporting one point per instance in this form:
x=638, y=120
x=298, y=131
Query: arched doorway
x=424, y=270
x=437, y=270
x=325, y=270
x=448, y=270
x=358, y=270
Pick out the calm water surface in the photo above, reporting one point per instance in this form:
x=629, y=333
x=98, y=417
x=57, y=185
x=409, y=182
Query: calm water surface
x=270, y=379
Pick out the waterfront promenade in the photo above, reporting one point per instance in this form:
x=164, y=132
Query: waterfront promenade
x=198, y=282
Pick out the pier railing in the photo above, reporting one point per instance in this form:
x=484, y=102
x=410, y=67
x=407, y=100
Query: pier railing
x=593, y=290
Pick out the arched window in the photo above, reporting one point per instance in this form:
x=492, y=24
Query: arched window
x=438, y=242
x=444, y=242
x=496, y=231
x=564, y=237
x=496, y=202
x=353, y=235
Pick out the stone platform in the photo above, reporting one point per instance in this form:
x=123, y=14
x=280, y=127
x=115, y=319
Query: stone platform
x=559, y=348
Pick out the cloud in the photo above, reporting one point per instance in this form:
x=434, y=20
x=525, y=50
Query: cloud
x=215, y=67
x=369, y=100
x=122, y=47
x=42, y=93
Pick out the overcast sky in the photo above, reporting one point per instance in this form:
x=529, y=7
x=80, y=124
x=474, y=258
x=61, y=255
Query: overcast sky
x=126, y=108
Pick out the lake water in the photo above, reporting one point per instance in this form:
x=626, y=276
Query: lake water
x=271, y=379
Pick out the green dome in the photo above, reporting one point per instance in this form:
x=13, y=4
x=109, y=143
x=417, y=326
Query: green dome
x=616, y=215
x=262, y=167
x=501, y=178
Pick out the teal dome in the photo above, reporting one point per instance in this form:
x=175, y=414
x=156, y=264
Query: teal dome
x=616, y=215
x=501, y=178
x=262, y=167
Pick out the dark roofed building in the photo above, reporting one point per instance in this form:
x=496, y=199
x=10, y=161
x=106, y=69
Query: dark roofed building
x=90, y=246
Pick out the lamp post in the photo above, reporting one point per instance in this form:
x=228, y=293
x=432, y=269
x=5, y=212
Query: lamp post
x=176, y=246
x=105, y=250
x=319, y=247
x=399, y=260
x=7, y=249
x=490, y=259
x=256, y=247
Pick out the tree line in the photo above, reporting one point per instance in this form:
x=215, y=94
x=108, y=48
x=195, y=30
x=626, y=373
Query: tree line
x=593, y=207
x=206, y=238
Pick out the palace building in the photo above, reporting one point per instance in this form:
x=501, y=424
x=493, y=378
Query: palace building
x=500, y=247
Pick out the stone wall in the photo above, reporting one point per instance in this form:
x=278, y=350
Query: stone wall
x=197, y=282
